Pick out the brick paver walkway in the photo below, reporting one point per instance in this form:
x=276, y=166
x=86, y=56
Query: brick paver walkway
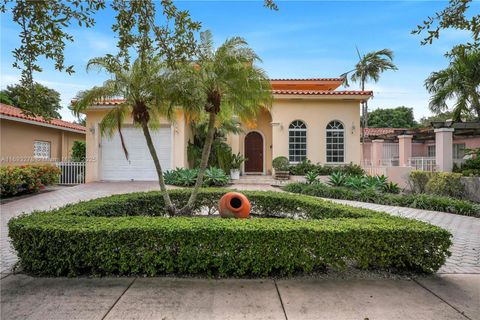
x=466, y=230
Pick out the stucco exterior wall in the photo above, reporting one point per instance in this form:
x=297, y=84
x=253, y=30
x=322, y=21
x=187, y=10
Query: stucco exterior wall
x=181, y=134
x=17, y=141
x=317, y=114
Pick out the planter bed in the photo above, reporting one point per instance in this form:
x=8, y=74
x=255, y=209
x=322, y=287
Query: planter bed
x=418, y=201
x=130, y=234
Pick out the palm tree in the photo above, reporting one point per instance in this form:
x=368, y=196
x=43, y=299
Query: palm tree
x=145, y=90
x=369, y=67
x=459, y=81
x=229, y=83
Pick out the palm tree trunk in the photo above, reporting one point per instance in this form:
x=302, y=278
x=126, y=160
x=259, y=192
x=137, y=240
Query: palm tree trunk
x=166, y=197
x=186, y=210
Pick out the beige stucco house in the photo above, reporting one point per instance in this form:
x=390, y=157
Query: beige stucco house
x=309, y=118
x=26, y=139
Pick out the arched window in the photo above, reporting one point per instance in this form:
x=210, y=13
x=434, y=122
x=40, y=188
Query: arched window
x=335, y=142
x=297, y=141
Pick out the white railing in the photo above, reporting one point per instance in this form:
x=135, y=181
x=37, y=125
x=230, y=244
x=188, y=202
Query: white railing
x=423, y=163
x=71, y=172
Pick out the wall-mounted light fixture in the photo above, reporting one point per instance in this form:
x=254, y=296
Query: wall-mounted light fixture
x=92, y=130
x=353, y=127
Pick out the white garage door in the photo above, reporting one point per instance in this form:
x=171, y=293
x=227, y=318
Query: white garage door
x=139, y=165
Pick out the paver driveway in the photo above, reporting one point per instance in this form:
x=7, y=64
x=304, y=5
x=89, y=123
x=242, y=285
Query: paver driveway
x=466, y=230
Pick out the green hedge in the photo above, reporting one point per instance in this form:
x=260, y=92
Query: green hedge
x=419, y=201
x=120, y=235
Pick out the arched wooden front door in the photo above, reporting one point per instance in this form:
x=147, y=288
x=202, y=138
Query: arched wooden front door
x=254, y=152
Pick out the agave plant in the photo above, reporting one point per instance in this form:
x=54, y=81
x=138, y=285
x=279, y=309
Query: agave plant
x=337, y=179
x=356, y=182
x=215, y=177
x=391, y=187
x=186, y=177
x=311, y=177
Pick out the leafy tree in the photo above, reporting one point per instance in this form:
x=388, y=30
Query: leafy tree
x=442, y=117
x=400, y=117
x=5, y=98
x=230, y=84
x=46, y=103
x=459, y=82
x=455, y=16
x=44, y=30
x=369, y=67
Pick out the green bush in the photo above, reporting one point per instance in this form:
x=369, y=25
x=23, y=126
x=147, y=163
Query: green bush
x=280, y=164
x=471, y=167
x=121, y=235
x=26, y=178
x=79, y=151
x=445, y=184
x=418, y=180
x=419, y=201
x=184, y=177
x=302, y=168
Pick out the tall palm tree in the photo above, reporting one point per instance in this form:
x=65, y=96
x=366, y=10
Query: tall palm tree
x=145, y=89
x=369, y=67
x=460, y=81
x=229, y=83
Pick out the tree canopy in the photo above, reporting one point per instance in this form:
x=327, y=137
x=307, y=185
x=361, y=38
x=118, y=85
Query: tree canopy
x=455, y=16
x=400, y=117
x=458, y=84
x=46, y=103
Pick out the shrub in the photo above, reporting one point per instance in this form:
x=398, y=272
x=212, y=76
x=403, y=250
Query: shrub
x=27, y=178
x=445, y=184
x=418, y=180
x=84, y=238
x=280, y=164
x=420, y=201
x=79, y=150
x=471, y=167
x=304, y=167
x=184, y=177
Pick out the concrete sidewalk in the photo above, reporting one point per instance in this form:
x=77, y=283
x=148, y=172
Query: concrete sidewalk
x=437, y=297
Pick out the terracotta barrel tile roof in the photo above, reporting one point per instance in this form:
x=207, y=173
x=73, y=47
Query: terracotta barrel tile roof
x=15, y=112
x=309, y=79
x=370, y=132
x=323, y=92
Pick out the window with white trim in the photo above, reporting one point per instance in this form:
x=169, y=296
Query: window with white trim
x=335, y=142
x=458, y=150
x=297, y=141
x=41, y=149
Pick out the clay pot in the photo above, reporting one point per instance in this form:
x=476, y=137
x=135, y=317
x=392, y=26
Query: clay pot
x=234, y=205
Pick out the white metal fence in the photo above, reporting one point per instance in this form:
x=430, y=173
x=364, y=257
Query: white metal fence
x=423, y=163
x=71, y=172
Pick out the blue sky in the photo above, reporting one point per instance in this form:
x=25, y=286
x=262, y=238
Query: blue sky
x=302, y=39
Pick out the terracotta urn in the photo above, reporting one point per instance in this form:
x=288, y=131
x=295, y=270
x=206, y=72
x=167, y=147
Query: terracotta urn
x=234, y=205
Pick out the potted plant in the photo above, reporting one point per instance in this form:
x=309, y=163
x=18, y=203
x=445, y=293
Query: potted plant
x=281, y=167
x=236, y=163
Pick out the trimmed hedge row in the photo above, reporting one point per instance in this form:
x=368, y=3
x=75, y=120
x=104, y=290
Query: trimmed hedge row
x=264, y=204
x=419, y=201
x=97, y=238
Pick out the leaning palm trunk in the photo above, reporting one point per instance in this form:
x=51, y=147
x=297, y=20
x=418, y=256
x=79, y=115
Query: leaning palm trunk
x=166, y=197
x=187, y=209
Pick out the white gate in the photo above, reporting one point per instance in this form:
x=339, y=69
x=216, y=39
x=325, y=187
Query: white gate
x=71, y=172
